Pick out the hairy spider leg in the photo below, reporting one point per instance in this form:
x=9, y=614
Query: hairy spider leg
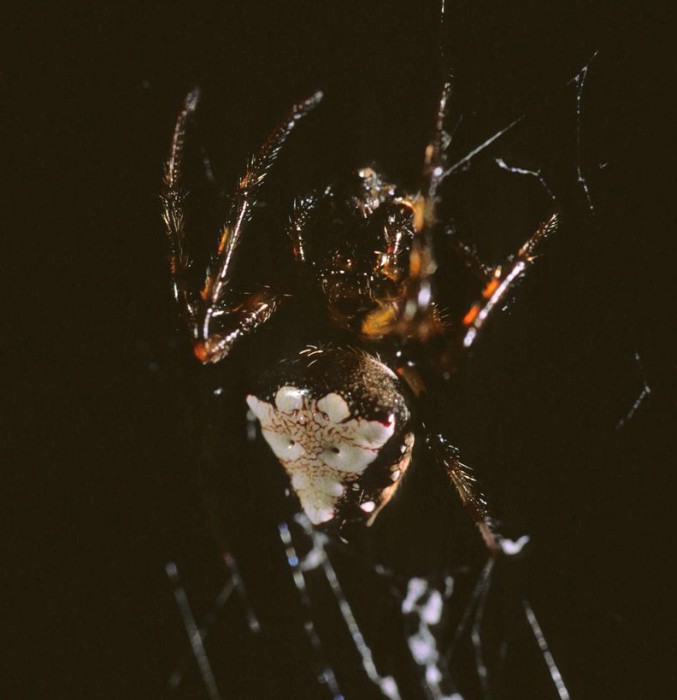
x=303, y=210
x=216, y=326
x=233, y=324
x=501, y=283
x=398, y=233
x=172, y=198
x=243, y=203
x=413, y=314
x=497, y=286
x=465, y=483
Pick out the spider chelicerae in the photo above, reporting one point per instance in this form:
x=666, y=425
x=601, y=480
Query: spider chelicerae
x=342, y=415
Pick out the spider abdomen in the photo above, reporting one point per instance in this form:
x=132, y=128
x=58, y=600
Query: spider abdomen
x=338, y=423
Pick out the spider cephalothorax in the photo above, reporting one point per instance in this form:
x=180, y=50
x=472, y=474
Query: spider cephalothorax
x=339, y=423
x=354, y=241
x=336, y=418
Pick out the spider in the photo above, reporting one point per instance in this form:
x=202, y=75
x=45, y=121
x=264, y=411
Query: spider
x=342, y=415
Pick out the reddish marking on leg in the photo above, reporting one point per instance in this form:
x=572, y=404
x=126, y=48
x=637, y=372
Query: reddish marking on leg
x=490, y=288
x=200, y=351
x=471, y=315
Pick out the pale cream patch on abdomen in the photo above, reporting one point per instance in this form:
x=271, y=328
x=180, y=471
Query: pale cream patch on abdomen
x=319, y=445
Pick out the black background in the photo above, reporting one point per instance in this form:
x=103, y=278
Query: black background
x=103, y=421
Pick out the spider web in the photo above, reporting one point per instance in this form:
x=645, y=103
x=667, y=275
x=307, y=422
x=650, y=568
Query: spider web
x=452, y=641
x=422, y=606
x=121, y=590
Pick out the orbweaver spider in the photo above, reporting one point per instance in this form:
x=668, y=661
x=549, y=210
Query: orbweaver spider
x=342, y=416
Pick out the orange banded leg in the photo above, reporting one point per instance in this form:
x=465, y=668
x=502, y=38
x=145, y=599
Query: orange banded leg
x=243, y=204
x=219, y=324
x=502, y=283
x=232, y=325
x=413, y=314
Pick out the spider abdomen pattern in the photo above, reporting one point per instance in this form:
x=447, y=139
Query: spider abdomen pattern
x=339, y=423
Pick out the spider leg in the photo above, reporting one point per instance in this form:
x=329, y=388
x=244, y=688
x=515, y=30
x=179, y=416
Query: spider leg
x=303, y=211
x=231, y=324
x=243, y=202
x=398, y=233
x=417, y=317
x=413, y=313
x=217, y=325
x=465, y=483
x=172, y=197
x=501, y=283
